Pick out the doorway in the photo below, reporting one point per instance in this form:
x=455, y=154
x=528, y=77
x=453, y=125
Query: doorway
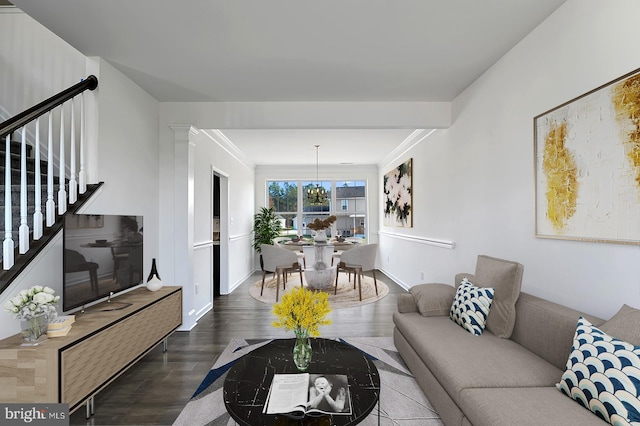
x=216, y=235
x=220, y=183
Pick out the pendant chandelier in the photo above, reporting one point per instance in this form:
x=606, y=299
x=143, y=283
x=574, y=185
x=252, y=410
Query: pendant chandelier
x=317, y=196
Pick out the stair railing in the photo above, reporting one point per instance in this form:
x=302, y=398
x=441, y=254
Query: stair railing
x=76, y=183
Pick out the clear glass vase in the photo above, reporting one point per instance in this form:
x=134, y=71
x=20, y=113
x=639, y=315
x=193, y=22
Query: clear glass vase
x=302, y=352
x=34, y=330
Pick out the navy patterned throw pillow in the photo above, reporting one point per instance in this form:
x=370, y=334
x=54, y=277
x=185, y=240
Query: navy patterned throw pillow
x=471, y=306
x=603, y=375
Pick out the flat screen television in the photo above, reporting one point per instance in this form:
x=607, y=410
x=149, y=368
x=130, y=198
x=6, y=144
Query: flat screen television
x=102, y=256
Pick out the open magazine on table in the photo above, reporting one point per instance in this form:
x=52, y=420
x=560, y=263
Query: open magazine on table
x=297, y=395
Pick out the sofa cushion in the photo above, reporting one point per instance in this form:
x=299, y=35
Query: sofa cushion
x=506, y=278
x=524, y=406
x=603, y=374
x=459, y=360
x=433, y=299
x=547, y=328
x=625, y=325
x=471, y=306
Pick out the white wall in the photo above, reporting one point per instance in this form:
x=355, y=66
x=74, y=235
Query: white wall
x=474, y=182
x=188, y=157
x=37, y=64
x=310, y=115
x=127, y=154
x=34, y=63
x=210, y=155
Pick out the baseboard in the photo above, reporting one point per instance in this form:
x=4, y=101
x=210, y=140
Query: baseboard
x=395, y=279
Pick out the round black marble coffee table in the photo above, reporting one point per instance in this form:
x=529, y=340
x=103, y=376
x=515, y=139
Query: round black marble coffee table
x=247, y=383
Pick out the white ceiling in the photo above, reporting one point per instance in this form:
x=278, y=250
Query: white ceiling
x=297, y=50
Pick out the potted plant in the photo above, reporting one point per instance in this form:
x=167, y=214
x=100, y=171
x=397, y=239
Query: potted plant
x=266, y=227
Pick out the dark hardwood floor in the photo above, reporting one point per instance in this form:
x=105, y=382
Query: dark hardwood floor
x=154, y=391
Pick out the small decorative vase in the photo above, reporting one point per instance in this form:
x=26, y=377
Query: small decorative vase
x=321, y=236
x=34, y=330
x=302, y=351
x=154, y=283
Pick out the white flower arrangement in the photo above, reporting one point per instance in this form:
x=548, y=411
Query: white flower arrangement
x=33, y=302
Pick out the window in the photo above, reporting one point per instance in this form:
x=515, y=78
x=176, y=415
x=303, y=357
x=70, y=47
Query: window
x=352, y=219
x=311, y=212
x=283, y=197
x=289, y=200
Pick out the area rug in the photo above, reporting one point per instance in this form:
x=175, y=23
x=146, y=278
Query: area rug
x=347, y=296
x=402, y=401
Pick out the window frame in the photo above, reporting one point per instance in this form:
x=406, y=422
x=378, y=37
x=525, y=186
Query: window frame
x=335, y=207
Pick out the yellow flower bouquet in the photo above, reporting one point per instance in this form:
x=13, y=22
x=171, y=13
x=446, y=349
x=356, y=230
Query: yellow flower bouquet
x=302, y=311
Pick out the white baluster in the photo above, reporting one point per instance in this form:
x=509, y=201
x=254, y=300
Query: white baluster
x=50, y=206
x=82, y=177
x=62, y=193
x=37, y=214
x=7, y=245
x=23, y=230
x=73, y=183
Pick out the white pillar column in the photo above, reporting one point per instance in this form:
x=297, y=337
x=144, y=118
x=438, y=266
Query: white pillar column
x=184, y=219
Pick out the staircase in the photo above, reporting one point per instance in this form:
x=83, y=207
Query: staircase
x=34, y=193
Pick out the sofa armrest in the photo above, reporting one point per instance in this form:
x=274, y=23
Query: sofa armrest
x=433, y=299
x=406, y=303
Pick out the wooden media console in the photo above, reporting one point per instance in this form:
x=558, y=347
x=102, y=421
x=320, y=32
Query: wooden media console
x=106, y=340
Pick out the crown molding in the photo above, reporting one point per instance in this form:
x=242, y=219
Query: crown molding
x=223, y=142
x=409, y=143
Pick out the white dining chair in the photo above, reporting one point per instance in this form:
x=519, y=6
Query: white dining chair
x=340, y=248
x=280, y=261
x=358, y=260
x=280, y=241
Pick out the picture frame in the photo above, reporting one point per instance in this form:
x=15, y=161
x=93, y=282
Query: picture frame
x=398, y=196
x=587, y=165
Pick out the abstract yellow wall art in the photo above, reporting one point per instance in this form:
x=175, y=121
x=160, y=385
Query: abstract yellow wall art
x=587, y=166
x=561, y=172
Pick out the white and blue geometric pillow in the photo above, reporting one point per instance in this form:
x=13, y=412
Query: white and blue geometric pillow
x=471, y=306
x=603, y=375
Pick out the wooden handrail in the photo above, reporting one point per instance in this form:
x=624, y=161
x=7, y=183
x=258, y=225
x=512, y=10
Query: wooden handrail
x=18, y=121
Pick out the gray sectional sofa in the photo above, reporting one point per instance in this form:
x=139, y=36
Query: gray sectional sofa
x=506, y=376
